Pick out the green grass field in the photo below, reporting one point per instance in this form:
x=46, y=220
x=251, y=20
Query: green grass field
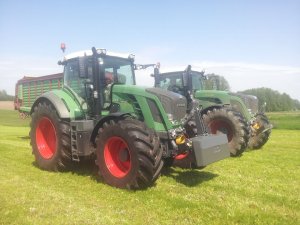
x=261, y=187
x=285, y=120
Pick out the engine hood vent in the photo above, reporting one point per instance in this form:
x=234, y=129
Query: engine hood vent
x=173, y=103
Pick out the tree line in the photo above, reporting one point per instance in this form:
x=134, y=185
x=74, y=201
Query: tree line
x=275, y=100
x=5, y=97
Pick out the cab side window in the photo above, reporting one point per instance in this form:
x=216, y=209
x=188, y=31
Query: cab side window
x=72, y=79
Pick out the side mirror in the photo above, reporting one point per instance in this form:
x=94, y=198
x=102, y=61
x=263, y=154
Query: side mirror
x=82, y=67
x=156, y=71
x=156, y=76
x=186, y=76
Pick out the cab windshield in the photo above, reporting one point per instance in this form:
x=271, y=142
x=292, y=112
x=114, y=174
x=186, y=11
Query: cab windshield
x=197, y=81
x=170, y=80
x=117, y=70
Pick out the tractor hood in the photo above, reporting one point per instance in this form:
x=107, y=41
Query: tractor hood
x=214, y=97
x=172, y=106
x=130, y=89
x=217, y=97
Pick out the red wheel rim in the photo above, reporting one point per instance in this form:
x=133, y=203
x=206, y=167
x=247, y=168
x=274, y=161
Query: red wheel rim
x=117, y=157
x=220, y=126
x=46, y=138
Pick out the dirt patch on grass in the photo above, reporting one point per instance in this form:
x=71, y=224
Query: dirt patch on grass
x=7, y=105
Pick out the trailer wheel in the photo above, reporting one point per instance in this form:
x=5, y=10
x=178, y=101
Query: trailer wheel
x=259, y=136
x=129, y=154
x=231, y=123
x=50, y=139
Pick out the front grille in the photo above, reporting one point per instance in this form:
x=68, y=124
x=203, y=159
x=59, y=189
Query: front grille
x=172, y=103
x=154, y=111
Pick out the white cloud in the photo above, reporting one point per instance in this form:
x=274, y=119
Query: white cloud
x=243, y=76
x=11, y=70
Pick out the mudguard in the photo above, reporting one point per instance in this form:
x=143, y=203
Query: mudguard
x=64, y=104
x=102, y=121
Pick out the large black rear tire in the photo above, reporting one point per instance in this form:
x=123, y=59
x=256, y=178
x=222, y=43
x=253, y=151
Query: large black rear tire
x=259, y=136
x=231, y=123
x=129, y=154
x=50, y=138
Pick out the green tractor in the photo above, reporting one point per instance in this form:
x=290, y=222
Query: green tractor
x=235, y=115
x=130, y=130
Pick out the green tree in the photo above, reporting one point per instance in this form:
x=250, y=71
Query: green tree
x=275, y=101
x=5, y=97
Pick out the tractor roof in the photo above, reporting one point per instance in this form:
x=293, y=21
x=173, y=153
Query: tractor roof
x=89, y=53
x=180, y=69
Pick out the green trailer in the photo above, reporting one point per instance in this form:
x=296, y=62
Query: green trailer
x=28, y=89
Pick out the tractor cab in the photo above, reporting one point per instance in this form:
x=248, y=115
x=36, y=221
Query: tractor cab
x=90, y=76
x=180, y=81
x=185, y=82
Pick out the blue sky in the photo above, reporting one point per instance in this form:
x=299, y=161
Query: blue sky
x=251, y=43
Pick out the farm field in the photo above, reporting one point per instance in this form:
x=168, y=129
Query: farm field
x=261, y=187
x=285, y=120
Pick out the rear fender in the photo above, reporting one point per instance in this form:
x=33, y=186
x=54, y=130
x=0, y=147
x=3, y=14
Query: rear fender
x=63, y=103
x=211, y=108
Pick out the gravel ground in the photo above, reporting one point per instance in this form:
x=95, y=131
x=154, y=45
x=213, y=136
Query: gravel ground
x=7, y=105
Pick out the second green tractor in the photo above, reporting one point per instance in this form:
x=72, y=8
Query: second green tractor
x=235, y=115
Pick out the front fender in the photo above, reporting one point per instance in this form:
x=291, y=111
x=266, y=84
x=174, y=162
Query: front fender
x=102, y=121
x=64, y=104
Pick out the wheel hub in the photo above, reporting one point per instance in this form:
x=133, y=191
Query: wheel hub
x=117, y=157
x=46, y=138
x=220, y=126
x=123, y=155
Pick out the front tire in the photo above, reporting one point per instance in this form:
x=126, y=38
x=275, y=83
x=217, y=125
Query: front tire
x=129, y=154
x=50, y=139
x=231, y=123
x=259, y=137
